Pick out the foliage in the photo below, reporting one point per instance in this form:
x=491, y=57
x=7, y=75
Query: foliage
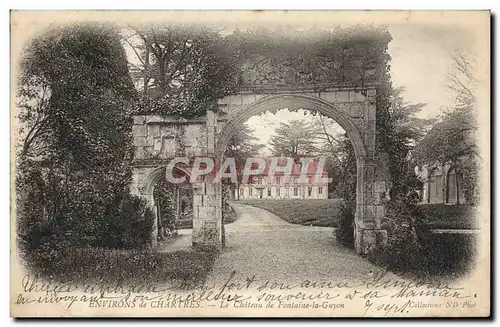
x=294, y=139
x=57, y=213
x=173, y=201
x=164, y=194
x=349, y=176
x=182, y=69
x=344, y=229
x=104, y=268
x=83, y=95
x=402, y=222
x=329, y=142
x=242, y=145
x=412, y=250
x=448, y=216
x=452, y=140
x=128, y=226
x=71, y=170
x=400, y=131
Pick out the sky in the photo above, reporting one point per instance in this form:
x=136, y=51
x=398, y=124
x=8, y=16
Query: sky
x=420, y=62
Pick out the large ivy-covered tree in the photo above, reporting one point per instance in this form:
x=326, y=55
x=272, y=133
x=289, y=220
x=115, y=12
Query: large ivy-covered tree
x=74, y=97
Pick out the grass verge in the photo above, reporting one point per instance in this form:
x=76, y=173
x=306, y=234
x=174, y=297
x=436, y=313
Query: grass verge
x=315, y=212
x=448, y=216
x=127, y=267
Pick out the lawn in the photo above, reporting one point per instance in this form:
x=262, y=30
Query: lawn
x=326, y=212
x=448, y=216
x=128, y=267
x=448, y=255
x=316, y=212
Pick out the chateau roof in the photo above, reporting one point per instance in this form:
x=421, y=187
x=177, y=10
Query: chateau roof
x=296, y=167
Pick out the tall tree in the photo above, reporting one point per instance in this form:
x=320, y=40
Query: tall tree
x=296, y=138
x=452, y=140
x=180, y=69
x=74, y=97
x=400, y=129
x=242, y=145
x=332, y=146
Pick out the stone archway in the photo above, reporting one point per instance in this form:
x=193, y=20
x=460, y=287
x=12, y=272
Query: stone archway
x=339, y=81
x=145, y=179
x=355, y=113
x=353, y=109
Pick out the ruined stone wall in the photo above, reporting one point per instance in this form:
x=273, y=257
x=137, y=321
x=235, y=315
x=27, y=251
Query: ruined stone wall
x=157, y=140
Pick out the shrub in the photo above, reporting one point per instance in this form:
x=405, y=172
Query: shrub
x=344, y=229
x=402, y=252
x=448, y=255
x=129, y=226
x=105, y=267
x=228, y=214
x=412, y=249
x=53, y=211
x=449, y=216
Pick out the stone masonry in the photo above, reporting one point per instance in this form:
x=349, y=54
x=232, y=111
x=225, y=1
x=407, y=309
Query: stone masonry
x=157, y=140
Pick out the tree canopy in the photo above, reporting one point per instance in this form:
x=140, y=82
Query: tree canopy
x=452, y=138
x=74, y=96
x=76, y=104
x=296, y=138
x=180, y=69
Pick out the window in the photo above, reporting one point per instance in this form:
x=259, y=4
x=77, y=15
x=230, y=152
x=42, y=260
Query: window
x=241, y=191
x=296, y=180
x=259, y=180
x=309, y=191
x=250, y=191
x=320, y=190
x=278, y=180
x=269, y=192
x=295, y=191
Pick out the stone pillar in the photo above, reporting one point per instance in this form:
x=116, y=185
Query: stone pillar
x=371, y=189
x=370, y=211
x=207, y=200
x=206, y=216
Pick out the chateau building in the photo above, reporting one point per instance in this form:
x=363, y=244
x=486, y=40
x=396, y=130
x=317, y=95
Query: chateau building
x=313, y=185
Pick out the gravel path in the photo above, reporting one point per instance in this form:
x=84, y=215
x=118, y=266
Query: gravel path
x=262, y=244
